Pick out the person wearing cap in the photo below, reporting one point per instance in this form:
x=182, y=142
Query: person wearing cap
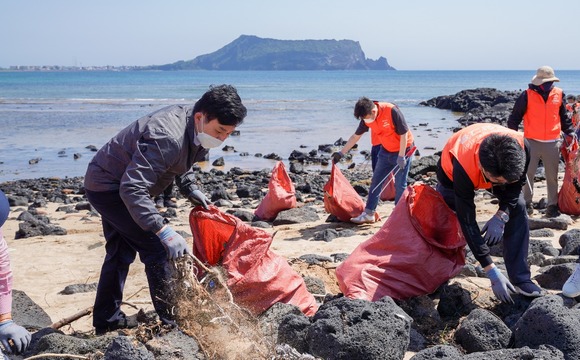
x=124, y=176
x=495, y=158
x=390, y=130
x=13, y=337
x=543, y=111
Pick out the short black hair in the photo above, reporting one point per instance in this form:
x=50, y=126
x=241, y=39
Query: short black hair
x=502, y=155
x=363, y=107
x=222, y=102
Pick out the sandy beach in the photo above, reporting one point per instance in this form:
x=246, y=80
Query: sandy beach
x=44, y=265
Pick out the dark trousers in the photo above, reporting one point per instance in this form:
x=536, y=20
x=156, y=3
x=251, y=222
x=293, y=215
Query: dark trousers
x=375, y=155
x=516, y=238
x=124, y=240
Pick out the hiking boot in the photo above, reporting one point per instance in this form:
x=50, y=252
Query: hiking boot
x=552, y=211
x=571, y=288
x=529, y=289
x=123, y=323
x=159, y=202
x=363, y=218
x=170, y=203
x=530, y=208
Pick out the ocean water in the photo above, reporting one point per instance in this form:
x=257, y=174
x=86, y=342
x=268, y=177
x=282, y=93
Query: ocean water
x=51, y=116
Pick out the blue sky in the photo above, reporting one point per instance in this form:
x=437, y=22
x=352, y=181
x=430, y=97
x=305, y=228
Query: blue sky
x=412, y=35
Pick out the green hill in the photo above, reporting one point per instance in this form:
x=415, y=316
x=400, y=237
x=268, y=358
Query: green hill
x=254, y=53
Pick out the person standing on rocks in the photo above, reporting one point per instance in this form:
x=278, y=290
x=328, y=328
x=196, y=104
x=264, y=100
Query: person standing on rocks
x=388, y=126
x=492, y=157
x=13, y=337
x=543, y=111
x=133, y=167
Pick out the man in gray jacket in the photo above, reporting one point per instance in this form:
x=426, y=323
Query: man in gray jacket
x=136, y=164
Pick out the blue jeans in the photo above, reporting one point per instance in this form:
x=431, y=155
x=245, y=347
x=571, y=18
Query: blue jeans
x=124, y=240
x=386, y=161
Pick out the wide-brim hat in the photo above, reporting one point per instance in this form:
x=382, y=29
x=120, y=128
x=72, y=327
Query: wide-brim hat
x=544, y=74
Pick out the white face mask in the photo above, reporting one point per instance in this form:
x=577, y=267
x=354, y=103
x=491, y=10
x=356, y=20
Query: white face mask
x=368, y=121
x=207, y=141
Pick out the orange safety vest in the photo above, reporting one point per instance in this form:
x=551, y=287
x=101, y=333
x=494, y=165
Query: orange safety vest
x=542, y=118
x=464, y=146
x=384, y=129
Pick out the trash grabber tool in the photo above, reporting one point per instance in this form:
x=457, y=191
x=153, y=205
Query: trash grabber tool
x=407, y=156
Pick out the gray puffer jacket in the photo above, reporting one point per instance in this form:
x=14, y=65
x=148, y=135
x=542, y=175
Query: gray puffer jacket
x=144, y=158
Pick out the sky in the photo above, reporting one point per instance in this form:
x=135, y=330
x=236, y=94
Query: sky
x=411, y=34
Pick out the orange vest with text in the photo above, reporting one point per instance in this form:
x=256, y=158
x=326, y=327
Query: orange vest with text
x=384, y=129
x=464, y=146
x=542, y=118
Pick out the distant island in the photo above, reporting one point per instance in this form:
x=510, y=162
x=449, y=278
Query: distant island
x=250, y=52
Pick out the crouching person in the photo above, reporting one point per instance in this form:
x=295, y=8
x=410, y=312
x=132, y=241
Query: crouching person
x=490, y=156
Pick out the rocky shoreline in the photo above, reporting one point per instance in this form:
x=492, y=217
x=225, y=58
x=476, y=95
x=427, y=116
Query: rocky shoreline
x=461, y=320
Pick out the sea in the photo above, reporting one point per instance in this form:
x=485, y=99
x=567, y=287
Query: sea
x=49, y=120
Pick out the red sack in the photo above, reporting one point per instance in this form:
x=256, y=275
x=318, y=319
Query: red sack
x=417, y=249
x=569, y=194
x=256, y=276
x=388, y=193
x=281, y=194
x=340, y=198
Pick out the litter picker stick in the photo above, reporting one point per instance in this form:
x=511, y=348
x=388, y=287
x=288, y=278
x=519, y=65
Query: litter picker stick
x=395, y=169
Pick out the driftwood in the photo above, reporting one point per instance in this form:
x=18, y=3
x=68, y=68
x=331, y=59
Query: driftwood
x=68, y=320
x=57, y=325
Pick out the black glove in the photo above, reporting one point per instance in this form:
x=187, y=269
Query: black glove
x=198, y=198
x=569, y=138
x=336, y=157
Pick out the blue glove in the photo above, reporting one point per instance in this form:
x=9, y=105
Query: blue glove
x=401, y=162
x=174, y=243
x=493, y=230
x=336, y=157
x=500, y=285
x=198, y=198
x=19, y=336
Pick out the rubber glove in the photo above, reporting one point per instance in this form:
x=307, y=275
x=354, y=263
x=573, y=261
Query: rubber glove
x=174, y=243
x=500, y=285
x=493, y=230
x=19, y=336
x=401, y=161
x=198, y=198
x=336, y=157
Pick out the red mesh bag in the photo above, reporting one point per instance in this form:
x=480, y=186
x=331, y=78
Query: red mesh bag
x=417, y=249
x=256, y=276
x=388, y=193
x=569, y=194
x=281, y=194
x=340, y=198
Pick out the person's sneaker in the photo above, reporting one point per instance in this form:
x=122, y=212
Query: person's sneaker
x=169, y=203
x=363, y=218
x=529, y=289
x=552, y=211
x=571, y=287
x=530, y=208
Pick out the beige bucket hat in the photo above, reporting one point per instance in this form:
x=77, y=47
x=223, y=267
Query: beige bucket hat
x=544, y=74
